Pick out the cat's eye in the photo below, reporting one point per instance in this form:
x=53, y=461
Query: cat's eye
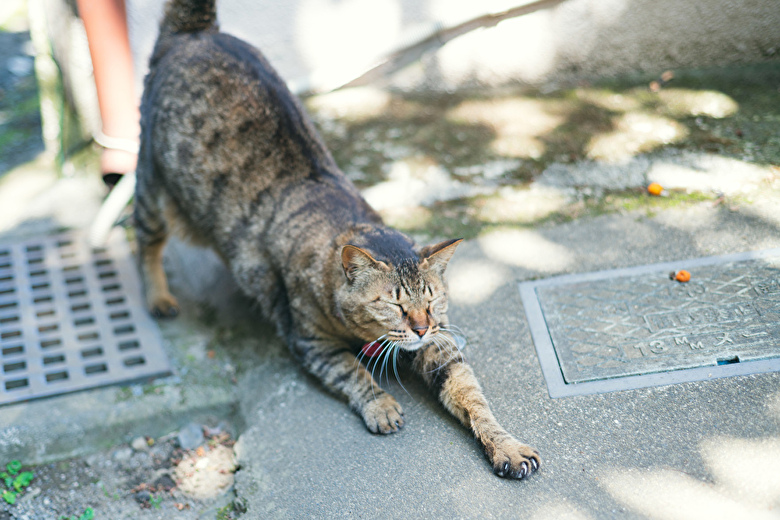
x=398, y=306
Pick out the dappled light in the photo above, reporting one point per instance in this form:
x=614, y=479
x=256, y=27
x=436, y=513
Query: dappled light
x=679, y=102
x=518, y=122
x=545, y=175
x=415, y=181
x=672, y=495
x=719, y=174
x=527, y=249
x=353, y=104
x=474, y=282
x=608, y=99
x=525, y=158
x=745, y=482
x=635, y=133
x=746, y=468
x=521, y=205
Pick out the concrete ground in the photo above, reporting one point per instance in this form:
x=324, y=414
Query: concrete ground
x=696, y=450
x=562, y=192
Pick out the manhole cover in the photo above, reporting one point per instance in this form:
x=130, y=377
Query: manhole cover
x=632, y=328
x=71, y=318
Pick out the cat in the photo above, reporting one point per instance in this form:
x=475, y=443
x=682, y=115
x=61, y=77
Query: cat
x=230, y=160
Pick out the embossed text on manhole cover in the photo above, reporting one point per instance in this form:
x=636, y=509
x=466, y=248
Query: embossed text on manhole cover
x=636, y=327
x=72, y=318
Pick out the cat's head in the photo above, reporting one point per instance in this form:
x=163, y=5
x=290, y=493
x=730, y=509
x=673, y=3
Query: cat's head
x=402, y=300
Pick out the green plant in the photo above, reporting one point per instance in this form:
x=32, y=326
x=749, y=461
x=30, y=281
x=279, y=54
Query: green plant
x=15, y=481
x=88, y=514
x=225, y=513
x=155, y=501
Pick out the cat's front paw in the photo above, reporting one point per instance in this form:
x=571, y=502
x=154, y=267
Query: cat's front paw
x=164, y=306
x=513, y=459
x=383, y=415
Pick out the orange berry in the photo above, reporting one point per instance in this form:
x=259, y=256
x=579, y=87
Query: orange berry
x=683, y=276
x=655, y=189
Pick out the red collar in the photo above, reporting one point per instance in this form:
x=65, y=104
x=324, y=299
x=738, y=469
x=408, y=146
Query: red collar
x=372, y=349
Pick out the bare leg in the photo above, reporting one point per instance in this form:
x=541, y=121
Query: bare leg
x=105, y=22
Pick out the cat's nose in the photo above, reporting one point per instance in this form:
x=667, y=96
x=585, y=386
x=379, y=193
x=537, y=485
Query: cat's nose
x=420, y=331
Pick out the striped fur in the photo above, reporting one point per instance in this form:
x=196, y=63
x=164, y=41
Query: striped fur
x=230, y=160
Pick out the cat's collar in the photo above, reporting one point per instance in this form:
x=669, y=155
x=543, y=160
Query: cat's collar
x=372, y=349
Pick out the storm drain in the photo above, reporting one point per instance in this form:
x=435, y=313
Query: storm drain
x=633, y=328
x=71, y=318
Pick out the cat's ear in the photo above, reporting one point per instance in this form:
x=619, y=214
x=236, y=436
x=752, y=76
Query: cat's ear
x=356, y=261
x=437, y=256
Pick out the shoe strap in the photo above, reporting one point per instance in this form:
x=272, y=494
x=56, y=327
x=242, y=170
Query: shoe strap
x=116, y=143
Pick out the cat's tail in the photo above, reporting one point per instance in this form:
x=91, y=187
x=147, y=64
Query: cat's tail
x=184, y=16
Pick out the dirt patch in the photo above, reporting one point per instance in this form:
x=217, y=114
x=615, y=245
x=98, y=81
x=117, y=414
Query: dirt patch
x=147, y=479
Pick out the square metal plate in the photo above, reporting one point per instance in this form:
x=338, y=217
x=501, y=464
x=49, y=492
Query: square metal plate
x=71, y=318
x=636, y=327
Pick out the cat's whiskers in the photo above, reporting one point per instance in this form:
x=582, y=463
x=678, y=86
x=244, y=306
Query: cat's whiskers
x=384, y=358
x=446, y=344
x=453, y=329
x=392, y=342
x=395, y=369
x=386, y=347
x=364, y=354
x=391, y=352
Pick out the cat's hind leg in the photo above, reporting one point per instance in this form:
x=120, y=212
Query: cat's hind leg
x=152, y=231
x=340, y=371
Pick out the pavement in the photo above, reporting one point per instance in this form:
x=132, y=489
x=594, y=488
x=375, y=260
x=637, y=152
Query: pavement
x=692, y=450
x=688, y=450
x=707, y=449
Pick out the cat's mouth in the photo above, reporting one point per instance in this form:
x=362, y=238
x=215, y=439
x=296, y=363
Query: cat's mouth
x=444, y=338
x=377, y=347
x=411, y=340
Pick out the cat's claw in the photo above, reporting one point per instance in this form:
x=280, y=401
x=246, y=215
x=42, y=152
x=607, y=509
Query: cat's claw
x=513, y=459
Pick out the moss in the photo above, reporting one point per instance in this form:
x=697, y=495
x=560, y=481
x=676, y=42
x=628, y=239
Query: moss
x=461, y=219
x=732, y=111
x=633, y=201
x=226, y=512
x=123, y=394
x=414, y=125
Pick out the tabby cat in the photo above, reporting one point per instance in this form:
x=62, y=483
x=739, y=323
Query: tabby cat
x=230, y=160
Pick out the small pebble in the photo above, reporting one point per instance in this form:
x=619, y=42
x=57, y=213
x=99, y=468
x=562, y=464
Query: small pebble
x=165, y=482
x=222, y=426
x=142, y=496
x=139, y=444
x=190, y=437
x=122, y=454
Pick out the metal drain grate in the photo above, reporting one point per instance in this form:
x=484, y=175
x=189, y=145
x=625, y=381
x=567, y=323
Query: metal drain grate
x=71, y=318
x=633, y=328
